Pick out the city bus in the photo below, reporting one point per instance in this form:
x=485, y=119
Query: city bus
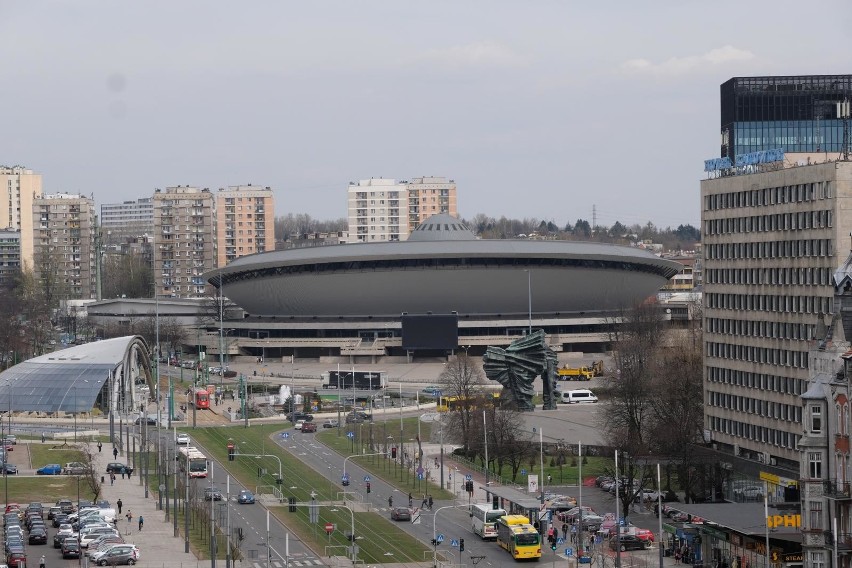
x=484, y=519
x=452, y=403
x=200, y=398
x=191, y=460
x=518, y=537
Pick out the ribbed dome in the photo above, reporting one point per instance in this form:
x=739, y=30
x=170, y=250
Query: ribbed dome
x=441, y=227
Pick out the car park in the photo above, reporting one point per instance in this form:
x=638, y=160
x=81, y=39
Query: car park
x=89, y=537
x=103, y=543
x=117, y=467
x=308, y=427
x=49, y=469
x=400, y=514
x=245, y=497
x=628, y=542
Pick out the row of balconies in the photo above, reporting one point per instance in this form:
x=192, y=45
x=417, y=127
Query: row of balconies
x=844, y=540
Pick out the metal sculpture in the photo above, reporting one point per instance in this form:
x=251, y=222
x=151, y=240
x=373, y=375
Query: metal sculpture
x=517, y=366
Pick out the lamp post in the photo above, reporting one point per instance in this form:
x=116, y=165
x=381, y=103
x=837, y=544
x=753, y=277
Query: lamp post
x=435, y=532
x=529, y=296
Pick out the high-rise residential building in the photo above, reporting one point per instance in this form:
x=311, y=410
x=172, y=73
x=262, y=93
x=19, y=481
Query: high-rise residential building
x=799, y=114
x=184, y=241
x=64, y=245
x=386, y=210
x=245, y=222
x=429, y=196
x=127, y=221
x=20, y=186
x=10, y=255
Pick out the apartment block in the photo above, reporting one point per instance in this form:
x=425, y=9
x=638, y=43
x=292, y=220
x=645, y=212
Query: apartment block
x=126, y=221
x=184, y=241
x=20, y=186
x=10, y=255
x=64, y=244
x=245, y=222
x=382, y=209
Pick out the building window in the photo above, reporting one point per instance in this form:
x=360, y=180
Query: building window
x=817, y=559
x=816, y=420
x=815, y=465
x=815, y=512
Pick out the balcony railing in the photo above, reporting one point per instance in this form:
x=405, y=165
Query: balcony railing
x=837, y=489
x=844, y=540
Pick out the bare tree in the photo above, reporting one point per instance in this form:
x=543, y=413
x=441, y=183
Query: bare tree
x=91, y=477
x=464, y=379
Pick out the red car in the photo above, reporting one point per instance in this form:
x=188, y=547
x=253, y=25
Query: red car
x=644, y=534
x=16, y=559
x=309, y=427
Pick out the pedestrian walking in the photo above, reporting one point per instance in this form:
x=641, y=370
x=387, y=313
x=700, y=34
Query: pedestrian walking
x=100, y=447
x=390, y=501
x=410, y=500
x=114, y=453
x=43, y=437
x=112, y=479
x=122, y=473
x=430, y=502
x=424, y=502
x=119, y=505
x=564, y=531
x=141, y=522
x=41, y=562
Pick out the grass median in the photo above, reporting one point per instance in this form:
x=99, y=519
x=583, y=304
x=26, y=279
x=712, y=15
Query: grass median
x=56, y=452
x=379, y=540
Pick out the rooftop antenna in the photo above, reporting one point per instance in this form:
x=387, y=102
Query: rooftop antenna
x=843, y=114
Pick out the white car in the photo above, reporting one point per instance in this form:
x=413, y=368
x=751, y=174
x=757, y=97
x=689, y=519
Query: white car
x=298, y=424
x=182, y=439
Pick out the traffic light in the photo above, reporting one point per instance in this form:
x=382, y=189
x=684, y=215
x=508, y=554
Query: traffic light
x=393, y=453
x=495, y=502
x=552, y=539
x=468, y=485
x=231, y=452
x=461, y=545
x=368, y=487
x=292, y=504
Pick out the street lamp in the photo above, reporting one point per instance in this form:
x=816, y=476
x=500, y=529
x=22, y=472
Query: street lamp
x=529, y=296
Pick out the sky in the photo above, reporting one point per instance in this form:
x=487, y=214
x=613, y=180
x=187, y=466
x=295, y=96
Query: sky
x=537, y=109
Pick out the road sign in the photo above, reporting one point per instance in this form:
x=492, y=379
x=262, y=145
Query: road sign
x=415, y=517
x=454, y=542
x=420, y=476
x=285, y=435
x=523, y=472
x=345, y=477
x=314, y=408
x=366, y=479
x=468, y=477
x=439, y=538
x=561, y=540
x=569, y=552
x=350, y=435
x=420, y=470
x=329, y=528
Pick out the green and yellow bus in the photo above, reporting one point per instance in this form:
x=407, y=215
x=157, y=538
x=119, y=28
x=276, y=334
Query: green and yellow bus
x=518, y=537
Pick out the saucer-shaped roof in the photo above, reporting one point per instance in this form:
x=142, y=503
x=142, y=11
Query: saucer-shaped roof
x=441, y=227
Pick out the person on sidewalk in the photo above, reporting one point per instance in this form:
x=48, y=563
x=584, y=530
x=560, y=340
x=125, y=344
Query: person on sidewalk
x=41, y=562
x=114, y=453
x=119, y=504
x=100, y=447
x=112, y=479
x=141, y=522
x=430, y=502
x=122, y=473
x=390, y=501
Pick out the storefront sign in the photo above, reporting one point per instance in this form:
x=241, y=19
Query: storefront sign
x=777, y=521
x=793, y=557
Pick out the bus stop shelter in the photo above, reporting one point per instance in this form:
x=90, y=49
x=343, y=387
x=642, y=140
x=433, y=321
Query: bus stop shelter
x=518, y=503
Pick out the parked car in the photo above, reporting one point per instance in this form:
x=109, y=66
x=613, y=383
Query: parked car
x=754, y=492
x=245, y=497
x=333, y=423
x=182, y=439
x=628, y=542
x=120, y=554
x=38, y=535
x=116, y=467
x=10, y=438
x=431, y=390
x=60, y=519
x=65, y=531
x=49, y=469
x=16, y=559
x=74, y=468
x=309, y=427
x=400, y=514
x=70, y=548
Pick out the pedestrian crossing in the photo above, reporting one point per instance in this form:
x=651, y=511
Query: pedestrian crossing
x=281, y=564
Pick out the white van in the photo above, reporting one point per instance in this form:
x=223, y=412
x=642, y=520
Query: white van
x=579, y=395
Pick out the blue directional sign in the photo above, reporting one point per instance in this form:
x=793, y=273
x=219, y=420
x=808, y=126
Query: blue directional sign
x=439, y=538
x=454, y=542
x=420, y=476
x=468, y=477
x=598, y=540
x=285, y=435
x=561, y=540
x=366, y=479
x=350, y=435
x=569, y=552
x=523, y=472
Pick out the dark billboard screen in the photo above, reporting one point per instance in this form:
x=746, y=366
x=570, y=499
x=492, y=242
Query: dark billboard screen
x=422, y=332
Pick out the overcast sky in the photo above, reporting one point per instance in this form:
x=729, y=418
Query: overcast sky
x=535, y=108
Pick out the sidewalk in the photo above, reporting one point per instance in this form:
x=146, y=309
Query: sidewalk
x=157, y=544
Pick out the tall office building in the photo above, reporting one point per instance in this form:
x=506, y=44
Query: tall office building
x=20, y=186
x=245, y=222
x=775, y=227
x=799, y=114
x=64, y=244
x=386, y=210
x=126, y=221
x=184, y=241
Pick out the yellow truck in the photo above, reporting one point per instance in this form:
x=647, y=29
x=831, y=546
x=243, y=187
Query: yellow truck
x=567, y=373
